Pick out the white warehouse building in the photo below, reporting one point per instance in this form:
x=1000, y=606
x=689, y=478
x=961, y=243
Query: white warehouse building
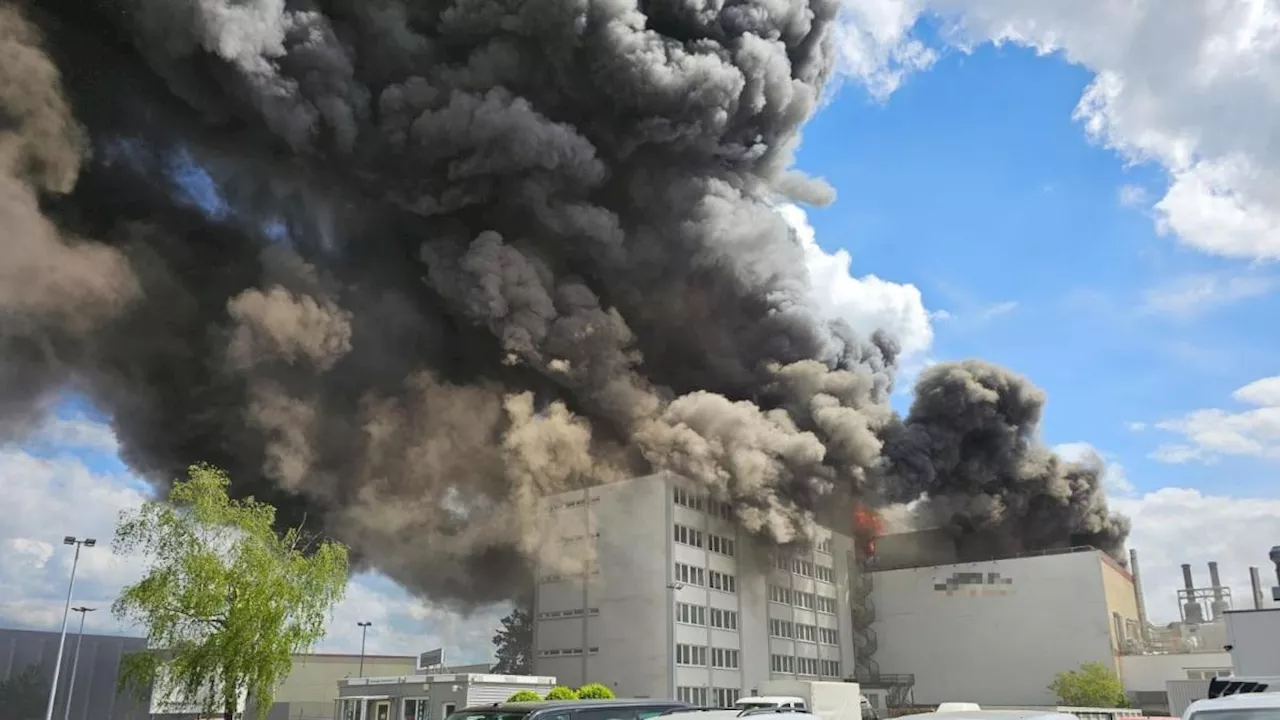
x=678, y=603
x=995, y=632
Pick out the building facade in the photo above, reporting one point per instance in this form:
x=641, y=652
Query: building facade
x=661, y=595
x=996, y=632
x=26, y=666
x=1253, y=637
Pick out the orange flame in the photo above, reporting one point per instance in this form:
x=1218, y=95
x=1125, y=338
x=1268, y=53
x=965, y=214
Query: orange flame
x=867, y=526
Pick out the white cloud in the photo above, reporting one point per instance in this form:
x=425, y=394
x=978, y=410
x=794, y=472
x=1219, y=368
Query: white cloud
x=1211, y=433
x=1191, y=90
x=48, y=497
x=1114, y=480
x=1136, y=426
x=1176, y=525
x=1194, y=295
x=867, y=303
x=997, y=310
x=1132, y=196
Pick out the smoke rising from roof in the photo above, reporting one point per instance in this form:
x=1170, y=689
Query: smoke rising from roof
x=455, y=256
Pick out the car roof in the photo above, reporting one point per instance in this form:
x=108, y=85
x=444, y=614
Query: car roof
x=538, y=705
x=1234, y=702
x=991, y=715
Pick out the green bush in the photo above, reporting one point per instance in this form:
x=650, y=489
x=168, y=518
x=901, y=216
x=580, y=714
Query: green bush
x=1093, y=685
x=595, y=691
x=561, y=692
x=524, y=696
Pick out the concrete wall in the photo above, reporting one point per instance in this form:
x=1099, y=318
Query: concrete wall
x=1151, y=673
x=95, y=696
x=1122, y=604
x=997, y=643
x=312, y=685
x=1254, y=636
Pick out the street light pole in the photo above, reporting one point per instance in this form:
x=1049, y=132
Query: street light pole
x=364, y=633
x=75, y=662
x=66, y=612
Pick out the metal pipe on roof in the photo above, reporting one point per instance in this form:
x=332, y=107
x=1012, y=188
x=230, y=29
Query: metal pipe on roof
x=1255, y=580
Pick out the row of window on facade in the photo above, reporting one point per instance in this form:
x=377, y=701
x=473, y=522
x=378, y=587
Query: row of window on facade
x=684, y=498
x=560, y=614
x=700, y=614
x=724, y=658
x=802, y=631
x=567, y=652
x=804, y=568
x=380, y=709
x=694, y=538
x=801, y=599
x=571, y=504
x=692, y=575
x=793, y=665
x=698, y=696
x=557, y=577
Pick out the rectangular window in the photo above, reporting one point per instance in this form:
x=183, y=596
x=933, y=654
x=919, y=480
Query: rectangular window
x=824, y=573
x=718, y=544
x=688, y=536
x=724, y=697
x=781, y=628
x=782, y=664
x=808, y=633
x=828, y=636
x=824, y=546
x=696, y=696
x=690, y=575
x=781, y=562
x=724, y=658
x=691, y=655
x=723, y=582
x=724, y=619
x=780, y=594
x=802, y=567
x=691, y=614
x=804, y=600
x=807, y=666
x=830, y=668
x=826, y=605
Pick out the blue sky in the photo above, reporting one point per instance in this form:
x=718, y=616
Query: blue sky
x=1117, y=252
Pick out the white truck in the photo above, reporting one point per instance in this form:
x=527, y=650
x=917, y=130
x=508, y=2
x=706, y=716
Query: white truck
x=827, y=700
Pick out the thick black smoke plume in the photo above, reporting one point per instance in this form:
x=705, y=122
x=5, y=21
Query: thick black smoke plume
x=456, y=255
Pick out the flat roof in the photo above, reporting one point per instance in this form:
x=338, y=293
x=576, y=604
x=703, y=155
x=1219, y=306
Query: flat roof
x=450, y=678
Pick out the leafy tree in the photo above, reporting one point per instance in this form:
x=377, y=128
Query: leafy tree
x=24, y=695
x=514, y=641
x=225, y=600
x=595, y=691
x=1093, y=685
x=560, y=692
x=524, y=696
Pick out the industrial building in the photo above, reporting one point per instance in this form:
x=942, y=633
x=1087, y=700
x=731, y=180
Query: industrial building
x=428, y=696
x=995, y=632
x=306, y=694
x=662, y=596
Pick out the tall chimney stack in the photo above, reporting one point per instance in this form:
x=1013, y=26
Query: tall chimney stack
x=1218, y=605
x=1137, y=591
x=1256, y=581
x=1192, y=612
x=1186, y=577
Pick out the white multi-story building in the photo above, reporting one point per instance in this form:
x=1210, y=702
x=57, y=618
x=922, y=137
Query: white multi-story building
x=676, y=602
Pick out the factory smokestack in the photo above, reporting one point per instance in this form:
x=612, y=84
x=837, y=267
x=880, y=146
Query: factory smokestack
x=404, y=268
x=1219, y=605
x=1139, y=596
x=1186, y=577
x=1255, y=582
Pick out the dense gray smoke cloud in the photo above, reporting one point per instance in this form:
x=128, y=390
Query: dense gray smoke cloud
x=407, y=266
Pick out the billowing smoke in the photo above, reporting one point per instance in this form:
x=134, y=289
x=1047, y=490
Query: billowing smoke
x=404, y=267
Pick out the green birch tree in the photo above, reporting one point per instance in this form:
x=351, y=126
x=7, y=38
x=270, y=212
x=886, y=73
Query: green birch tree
x=226, y=600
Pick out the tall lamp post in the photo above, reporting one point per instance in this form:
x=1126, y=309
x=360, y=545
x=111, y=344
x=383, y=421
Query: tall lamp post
x=75, y=661
x=364, y=633
x=66, y=612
